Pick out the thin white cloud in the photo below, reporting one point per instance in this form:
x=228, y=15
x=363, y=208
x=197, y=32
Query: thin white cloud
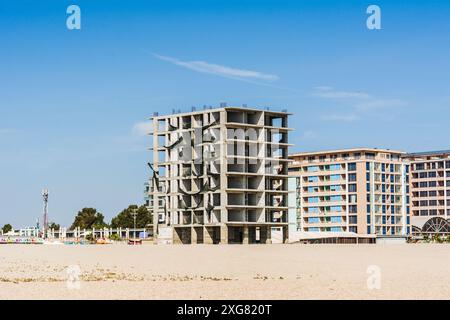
x=219, y=70
x=341, y=117
x=361, y=104
x=142, y=128
x=331, y=93
x=380, y=103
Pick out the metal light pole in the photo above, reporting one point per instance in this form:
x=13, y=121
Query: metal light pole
x=134, y=213
x=45, y=222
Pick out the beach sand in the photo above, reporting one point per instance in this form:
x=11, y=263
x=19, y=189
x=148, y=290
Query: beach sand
x=414, y=271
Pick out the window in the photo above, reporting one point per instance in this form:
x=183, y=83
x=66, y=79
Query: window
x=368, y=208
x=367, y=165
x=313, y=179
x=336, y=229
x=335, y=177
x=313, y=200
x=352, y=166
x=336, y=219
x=313, y=210
x=313, y=229
x=335, y=187
x=352, y=188
x=352, y=209
x=368, y=218
x=353, y=219
x=313, y=169
x=335, y=167
x=336, y=198
x=336, y=208
x=313, y=220
x=352, y=177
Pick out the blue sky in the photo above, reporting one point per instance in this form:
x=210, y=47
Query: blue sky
x=73, y=103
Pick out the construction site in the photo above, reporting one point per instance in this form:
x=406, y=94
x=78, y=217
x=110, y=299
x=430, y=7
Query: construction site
x=220, y=176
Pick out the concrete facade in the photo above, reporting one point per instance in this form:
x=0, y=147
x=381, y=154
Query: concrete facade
x=363, y=191
x=220, y=175
x=429, y=185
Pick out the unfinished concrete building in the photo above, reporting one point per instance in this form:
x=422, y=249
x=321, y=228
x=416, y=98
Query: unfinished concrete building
x=220, y=176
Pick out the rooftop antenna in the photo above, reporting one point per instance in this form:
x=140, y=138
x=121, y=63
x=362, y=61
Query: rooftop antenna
x=45, y=222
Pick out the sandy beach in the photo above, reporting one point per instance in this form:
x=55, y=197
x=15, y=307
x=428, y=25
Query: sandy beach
x=224, y=272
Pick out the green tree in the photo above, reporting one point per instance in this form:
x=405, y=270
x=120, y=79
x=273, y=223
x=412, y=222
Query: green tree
x=89, y=218
x=53, y=225
x=125, y=218
x=7, y=228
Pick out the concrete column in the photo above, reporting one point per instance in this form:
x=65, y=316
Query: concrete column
x=176, y=237
x=224, y=234
x=245, y=239
x=285, y=234
x=193, y=236
x=207, y=236
x=268, y=235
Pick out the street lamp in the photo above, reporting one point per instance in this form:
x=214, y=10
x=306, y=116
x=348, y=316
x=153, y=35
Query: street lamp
x=134, y=214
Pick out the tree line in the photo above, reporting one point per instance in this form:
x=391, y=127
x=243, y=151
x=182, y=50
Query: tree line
x=88, y=218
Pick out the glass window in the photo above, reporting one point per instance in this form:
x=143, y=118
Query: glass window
x=313, y=220
x=313, y=199
x=336, y=219
x=336, y=208
x=335, y=187
x=352, y=166
x=352, y=177
x=335, y=177
x=335, y=167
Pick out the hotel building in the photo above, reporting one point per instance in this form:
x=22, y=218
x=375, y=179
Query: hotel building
x=220, y=176
x=363, y=191
x=430, y=190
